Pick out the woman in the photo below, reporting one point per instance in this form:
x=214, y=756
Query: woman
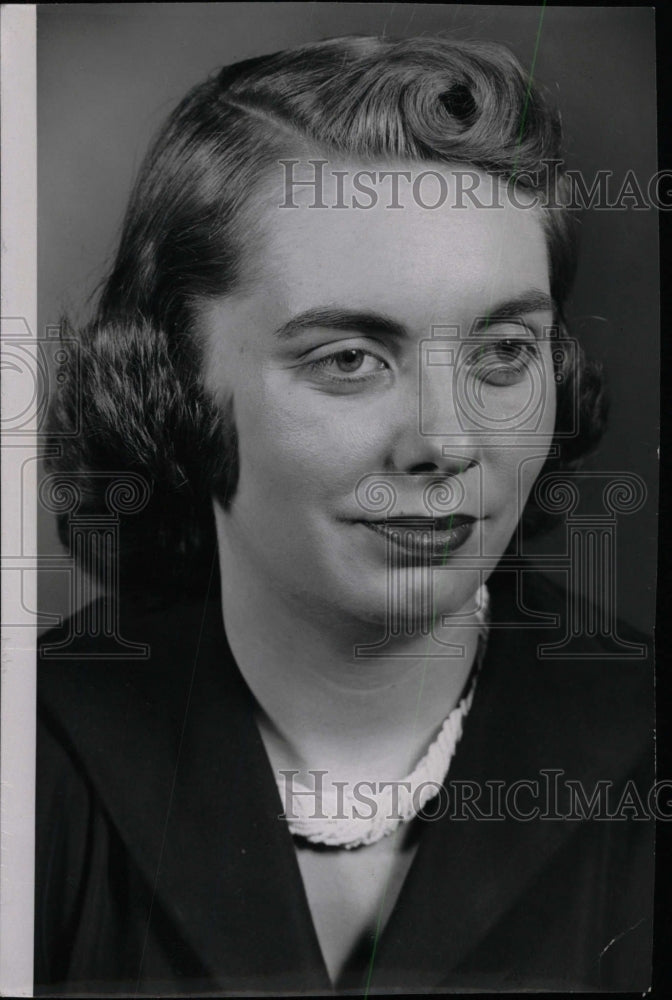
x=332, y=348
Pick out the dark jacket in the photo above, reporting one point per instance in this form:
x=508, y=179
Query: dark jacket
x=163, y=866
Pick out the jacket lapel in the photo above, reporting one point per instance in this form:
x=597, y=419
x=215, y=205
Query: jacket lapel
x=229, y=868
x=528, y=715
x=190, y=793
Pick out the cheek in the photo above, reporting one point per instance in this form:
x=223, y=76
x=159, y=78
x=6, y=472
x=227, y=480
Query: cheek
x=533, y=462
x=302, y=443
x=527, y=472
x=515, y=465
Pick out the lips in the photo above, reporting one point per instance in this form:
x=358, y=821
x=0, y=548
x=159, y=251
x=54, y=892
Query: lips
x=425, y=538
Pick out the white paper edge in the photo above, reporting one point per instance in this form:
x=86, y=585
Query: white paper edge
x=19, y=528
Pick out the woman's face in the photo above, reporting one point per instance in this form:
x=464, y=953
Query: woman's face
x=404, y=346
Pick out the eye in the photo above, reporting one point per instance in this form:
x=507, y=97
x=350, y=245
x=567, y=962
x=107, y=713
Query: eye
x=350, y=364
x=349, y=361
x=502, y=362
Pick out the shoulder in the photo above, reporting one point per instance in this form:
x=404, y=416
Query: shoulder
x=116, y=688
x=579, y=685
x=113, y=731
x=102, y=651
x=560, y=626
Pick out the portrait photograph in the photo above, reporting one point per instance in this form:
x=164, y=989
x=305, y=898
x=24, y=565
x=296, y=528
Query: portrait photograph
x=331, y=456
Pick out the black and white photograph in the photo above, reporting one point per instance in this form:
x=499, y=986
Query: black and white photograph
x=330, y=564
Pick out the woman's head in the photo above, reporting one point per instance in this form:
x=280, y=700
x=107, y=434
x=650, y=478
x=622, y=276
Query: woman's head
x=204, y=234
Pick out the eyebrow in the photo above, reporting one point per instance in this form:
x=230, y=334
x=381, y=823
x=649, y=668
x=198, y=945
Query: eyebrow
x=341, y=319
x=367, y=322
x=531, y=301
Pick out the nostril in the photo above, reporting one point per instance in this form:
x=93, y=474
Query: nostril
x=464, y=464
x=451, y=465
x=423, y=468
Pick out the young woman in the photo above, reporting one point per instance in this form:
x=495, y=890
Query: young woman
x=332, y=350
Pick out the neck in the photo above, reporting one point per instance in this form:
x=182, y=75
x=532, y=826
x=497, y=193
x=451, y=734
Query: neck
x=322, y=706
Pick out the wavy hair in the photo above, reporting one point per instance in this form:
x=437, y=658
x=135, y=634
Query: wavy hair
x=136, y=391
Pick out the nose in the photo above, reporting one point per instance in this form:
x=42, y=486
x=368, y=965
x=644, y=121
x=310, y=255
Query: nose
x=431, y=438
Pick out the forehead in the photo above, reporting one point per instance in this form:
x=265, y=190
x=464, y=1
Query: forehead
x=423, y=264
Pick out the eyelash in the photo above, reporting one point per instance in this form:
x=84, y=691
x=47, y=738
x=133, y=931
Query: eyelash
x=320, y=365
x=495, y=372
x=503, y=372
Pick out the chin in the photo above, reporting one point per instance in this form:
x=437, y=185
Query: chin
x=409, y=604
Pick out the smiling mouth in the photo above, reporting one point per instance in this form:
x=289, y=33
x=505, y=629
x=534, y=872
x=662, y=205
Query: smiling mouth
x=425, y=538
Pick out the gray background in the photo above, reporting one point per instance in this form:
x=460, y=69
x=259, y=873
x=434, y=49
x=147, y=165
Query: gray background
x=108, y=74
